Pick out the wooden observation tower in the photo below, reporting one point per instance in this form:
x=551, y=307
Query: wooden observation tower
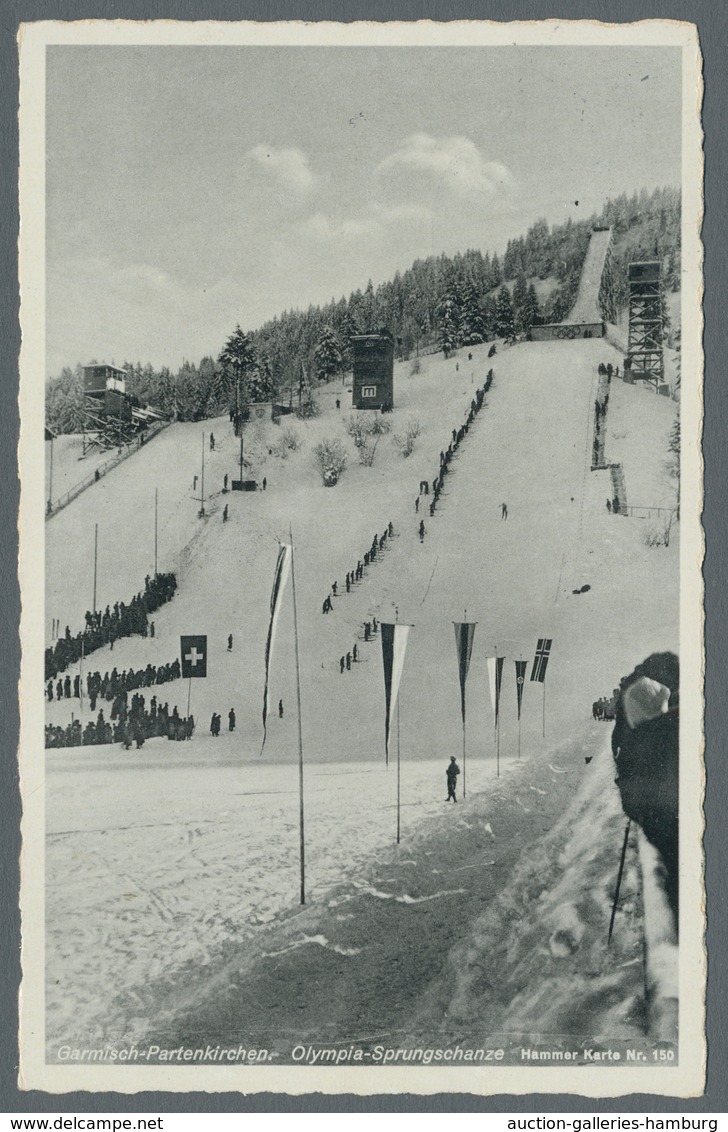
x=645, y=360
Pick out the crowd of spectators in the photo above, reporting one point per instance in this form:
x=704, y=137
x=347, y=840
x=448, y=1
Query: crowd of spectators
x=458, y=435
x=104, y=628
x=128, y=724
x=114, y=684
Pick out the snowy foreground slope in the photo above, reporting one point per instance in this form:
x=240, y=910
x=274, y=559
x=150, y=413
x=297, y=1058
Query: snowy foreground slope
x=163, y=863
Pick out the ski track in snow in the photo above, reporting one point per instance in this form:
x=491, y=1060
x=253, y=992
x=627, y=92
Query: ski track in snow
x=320, y=940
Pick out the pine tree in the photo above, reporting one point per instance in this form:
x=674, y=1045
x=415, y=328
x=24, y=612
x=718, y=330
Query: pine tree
x=238, y=359
x=448, y=330
x=327, y=355
x=504, y=325
x=531, y=313
x=261, y=386
x=520, y=294
x=473, y=329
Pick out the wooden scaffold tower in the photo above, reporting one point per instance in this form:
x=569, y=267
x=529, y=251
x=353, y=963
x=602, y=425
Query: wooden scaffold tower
x=645, y=359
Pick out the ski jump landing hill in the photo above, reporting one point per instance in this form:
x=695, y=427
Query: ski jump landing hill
x=585, y=319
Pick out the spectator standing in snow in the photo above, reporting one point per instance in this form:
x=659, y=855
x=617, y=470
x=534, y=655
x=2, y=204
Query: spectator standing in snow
x=231, y=719
x=230, y=642
x=504, y=511
x=422, y=530
x=452, y=773
x=280, y=709
x=212, y=441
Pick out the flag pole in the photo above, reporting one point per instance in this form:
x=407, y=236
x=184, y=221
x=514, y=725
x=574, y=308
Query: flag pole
x=398, y=778
x=156, y=507
x=202, y=480
x=302, y=845
x=618, y=886
x=519, y=721
x=80, y=686
x=497, y=719
x=465, y=620
x=396, y=618
x=96, y=558
x=543, y=729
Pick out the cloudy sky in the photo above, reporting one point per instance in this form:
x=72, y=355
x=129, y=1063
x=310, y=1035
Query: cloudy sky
x=191, y=188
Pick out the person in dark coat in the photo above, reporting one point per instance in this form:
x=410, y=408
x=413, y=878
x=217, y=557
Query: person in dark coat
x=422, y=530
x=452, y=773
x=231, y=719
x=280, y=709
x=645, y=745
x=213, y=722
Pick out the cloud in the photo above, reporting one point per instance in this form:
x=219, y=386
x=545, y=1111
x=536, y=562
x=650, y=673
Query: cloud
x=323, y=230
x=288, y=166
x=404, y=214
x=454, y=161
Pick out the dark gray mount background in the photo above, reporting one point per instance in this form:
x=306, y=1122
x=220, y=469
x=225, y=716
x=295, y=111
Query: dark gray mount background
x=712, y=21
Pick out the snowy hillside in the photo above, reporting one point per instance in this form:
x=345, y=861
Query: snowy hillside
x=199, y=853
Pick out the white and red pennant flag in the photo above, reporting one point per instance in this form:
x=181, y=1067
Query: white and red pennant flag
x=520, y=677
x=464, y=634
x=280, y=577
x=193, y=651
x=541, y=659
x=495, y=677
x=394, y=645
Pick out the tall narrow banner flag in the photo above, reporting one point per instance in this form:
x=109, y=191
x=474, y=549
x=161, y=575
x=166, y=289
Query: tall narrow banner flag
x=541, y=659
x=193, y=651
x=280, y=577
x=495, y=676
x=394, y=644
x=520, y=677
x=464, y=633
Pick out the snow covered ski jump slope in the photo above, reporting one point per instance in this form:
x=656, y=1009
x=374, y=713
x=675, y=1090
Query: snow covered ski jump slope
x=586, y=309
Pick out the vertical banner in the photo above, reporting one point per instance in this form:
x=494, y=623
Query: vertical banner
x=464, y=634
x=280, y=577
x=394, y=644
x=499, y=662
x=490, y=662
x=520, y=677
x=495, y=677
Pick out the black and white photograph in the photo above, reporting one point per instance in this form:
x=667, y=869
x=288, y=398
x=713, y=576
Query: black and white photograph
x=360, y=551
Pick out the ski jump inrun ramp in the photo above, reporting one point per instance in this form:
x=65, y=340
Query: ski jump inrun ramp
x=585, y=319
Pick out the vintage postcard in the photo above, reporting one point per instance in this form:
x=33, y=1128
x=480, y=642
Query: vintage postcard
x=361, y=396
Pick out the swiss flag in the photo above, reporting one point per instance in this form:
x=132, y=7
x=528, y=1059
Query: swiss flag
x=194, y=656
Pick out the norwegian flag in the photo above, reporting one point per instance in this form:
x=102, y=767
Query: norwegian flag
x=541, y=659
